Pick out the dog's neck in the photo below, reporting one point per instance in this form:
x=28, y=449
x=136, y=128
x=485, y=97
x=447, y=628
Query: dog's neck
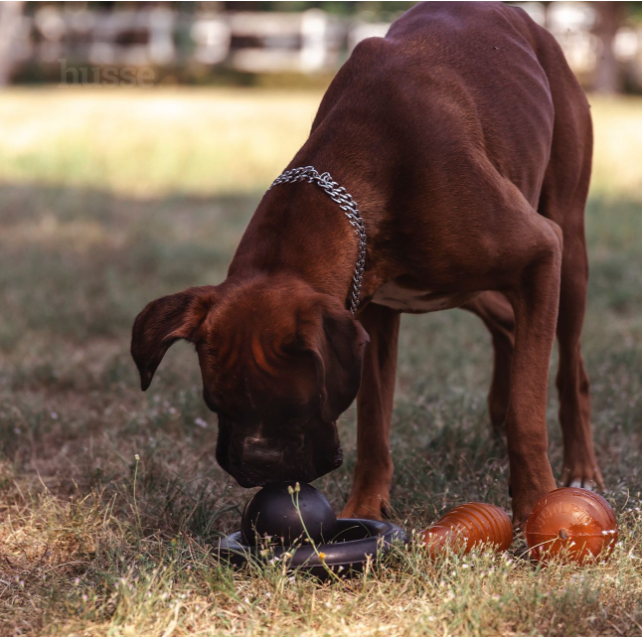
x=295, y=220
x=346, y=202
x=301, y=219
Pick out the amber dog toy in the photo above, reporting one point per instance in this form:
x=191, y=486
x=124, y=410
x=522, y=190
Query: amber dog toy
x=576, y=525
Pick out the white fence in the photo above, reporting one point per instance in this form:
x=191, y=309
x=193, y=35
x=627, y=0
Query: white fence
x=307, y=42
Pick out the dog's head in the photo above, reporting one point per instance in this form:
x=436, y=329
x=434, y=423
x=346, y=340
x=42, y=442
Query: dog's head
x=279, y=362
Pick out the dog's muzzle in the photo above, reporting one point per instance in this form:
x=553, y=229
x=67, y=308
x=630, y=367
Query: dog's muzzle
x=255, y=461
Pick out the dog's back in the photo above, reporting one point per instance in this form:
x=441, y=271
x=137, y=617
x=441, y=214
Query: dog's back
x=463, y=79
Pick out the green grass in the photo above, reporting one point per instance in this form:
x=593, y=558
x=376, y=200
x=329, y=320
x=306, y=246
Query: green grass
x=110, y=199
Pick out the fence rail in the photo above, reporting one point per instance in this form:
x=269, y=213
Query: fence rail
x=307, y=42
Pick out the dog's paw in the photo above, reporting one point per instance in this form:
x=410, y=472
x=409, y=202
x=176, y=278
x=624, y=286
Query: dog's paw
x=370, y=507
x=519, y=523
x=583, y=477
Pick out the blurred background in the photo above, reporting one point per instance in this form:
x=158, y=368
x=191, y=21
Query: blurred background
x=258, y=43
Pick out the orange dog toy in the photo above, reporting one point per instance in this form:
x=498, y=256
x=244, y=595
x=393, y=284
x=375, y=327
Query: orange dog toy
x=472, y=524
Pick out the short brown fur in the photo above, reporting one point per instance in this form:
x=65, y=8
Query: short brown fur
x=467, y=143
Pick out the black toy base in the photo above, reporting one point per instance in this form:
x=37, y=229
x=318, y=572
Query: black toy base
x=353, y=541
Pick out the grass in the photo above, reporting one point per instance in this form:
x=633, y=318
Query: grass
x=110, y=199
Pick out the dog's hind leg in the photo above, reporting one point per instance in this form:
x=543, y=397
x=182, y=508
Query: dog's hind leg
x=494, y=309
x=370, y=493
x=563, y=200
x=580, y=465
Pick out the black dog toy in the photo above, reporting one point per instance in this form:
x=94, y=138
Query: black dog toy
x=295, y=522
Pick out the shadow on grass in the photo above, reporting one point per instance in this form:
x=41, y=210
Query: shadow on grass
x=76, y=266
x=80, y=264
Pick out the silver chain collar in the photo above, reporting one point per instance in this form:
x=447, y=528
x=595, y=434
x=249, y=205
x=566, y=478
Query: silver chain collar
x=349, y=206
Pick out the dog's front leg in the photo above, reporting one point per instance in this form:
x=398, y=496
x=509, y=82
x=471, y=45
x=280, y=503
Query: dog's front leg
x=535, y=300
x=371, y=486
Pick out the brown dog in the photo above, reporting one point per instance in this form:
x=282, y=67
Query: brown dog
x=466, y=141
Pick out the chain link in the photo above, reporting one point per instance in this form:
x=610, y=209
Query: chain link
x=344, y=199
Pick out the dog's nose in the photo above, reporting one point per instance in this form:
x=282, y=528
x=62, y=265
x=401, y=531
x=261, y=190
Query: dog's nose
x=261, y=453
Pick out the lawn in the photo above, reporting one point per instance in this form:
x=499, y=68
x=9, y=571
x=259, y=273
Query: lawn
x=110, y=499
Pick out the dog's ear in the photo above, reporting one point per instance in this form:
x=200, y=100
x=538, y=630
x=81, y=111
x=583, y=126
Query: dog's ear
x=337, y=341
x=165, y=321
